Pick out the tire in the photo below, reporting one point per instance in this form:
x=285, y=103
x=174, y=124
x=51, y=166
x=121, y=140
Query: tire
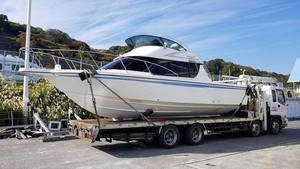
x=194, y=134
x=255, y=129
x=275, y=126
x=169, y=137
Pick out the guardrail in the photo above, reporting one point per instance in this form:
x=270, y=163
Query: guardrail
x=67, y=58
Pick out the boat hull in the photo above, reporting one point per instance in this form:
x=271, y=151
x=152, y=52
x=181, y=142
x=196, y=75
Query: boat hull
x=166, y=97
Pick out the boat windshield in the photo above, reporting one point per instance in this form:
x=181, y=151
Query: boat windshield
x=148, y=40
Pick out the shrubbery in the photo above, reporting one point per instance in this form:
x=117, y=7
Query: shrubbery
x=44, y=99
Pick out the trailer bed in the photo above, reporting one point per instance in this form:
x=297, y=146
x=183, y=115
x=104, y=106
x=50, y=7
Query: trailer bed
x=110, y=124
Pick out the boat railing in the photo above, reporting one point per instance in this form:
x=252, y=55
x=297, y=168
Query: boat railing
x=147, y=63
x=67, y=58
x=229, y=79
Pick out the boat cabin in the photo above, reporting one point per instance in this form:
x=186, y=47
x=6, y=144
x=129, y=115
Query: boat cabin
x=10, y=65
x=171, y=59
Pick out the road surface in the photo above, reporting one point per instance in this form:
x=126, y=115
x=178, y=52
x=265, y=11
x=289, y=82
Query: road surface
x=218, y=151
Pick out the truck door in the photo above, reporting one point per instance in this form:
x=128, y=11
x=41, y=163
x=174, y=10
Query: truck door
x=278, y=103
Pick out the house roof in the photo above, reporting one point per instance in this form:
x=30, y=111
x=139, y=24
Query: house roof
x=295, y=75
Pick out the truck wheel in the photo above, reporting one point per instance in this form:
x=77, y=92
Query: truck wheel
x=194, y=134
x=255, y=129
x=275, y=126
x=169, y=137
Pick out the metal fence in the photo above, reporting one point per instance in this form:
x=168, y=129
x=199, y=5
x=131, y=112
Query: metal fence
x=11, y=118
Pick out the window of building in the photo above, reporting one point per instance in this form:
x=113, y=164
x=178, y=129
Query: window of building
x=15, y=67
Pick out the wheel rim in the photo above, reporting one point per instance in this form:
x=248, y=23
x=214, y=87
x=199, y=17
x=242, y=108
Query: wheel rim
x=170, y=137
x=256, y=129
x=275, y=126
x=196, y=134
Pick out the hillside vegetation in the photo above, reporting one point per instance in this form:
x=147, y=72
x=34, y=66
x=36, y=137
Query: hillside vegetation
x=13, y=37
x=221, y=67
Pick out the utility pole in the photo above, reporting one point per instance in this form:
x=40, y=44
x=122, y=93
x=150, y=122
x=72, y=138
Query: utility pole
x=27, y=50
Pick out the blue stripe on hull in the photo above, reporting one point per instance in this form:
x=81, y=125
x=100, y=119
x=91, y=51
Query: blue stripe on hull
x=171, y=82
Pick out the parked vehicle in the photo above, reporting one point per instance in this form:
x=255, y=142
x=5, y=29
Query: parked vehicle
x=265, y=111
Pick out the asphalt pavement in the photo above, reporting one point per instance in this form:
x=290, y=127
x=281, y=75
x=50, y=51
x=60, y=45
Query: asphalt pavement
x=280, y=151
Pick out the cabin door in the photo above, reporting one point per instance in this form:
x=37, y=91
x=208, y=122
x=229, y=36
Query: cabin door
x=278, y=102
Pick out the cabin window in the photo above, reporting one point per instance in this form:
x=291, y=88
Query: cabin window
x=281, y=97
x=116, y=64
x=174, y=68
x=15, y=67
x=274, y=96
x=158, y=69
x=0, y=66
x=135, y=65
x=156, y=66
x=193, y=69
x=169, y=68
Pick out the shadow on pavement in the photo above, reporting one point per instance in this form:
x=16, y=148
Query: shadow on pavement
x=222, y=143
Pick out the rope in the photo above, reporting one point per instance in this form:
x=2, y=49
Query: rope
x=247, y=93
x=88, y=75
x=141, y=114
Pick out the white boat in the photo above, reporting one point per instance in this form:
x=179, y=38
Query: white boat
x=158, y=75
x=9, y=66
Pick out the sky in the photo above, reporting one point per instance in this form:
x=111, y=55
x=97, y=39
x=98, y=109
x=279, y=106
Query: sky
x=263, y=34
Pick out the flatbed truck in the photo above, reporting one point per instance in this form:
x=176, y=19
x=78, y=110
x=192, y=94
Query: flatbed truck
x=265, y=112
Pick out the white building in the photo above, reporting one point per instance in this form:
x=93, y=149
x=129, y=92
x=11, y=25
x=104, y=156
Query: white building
x=295, y=76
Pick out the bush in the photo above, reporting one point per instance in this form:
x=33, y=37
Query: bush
x=44, y=99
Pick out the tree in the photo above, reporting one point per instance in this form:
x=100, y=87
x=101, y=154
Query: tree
x=4, y=24
x=118, y=50
x=3, y=18
x=215, y=66
x=57, y=36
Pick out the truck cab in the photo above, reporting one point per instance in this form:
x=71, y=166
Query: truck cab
x=276, y=101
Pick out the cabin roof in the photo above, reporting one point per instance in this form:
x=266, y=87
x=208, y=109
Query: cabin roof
x=295, y=75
